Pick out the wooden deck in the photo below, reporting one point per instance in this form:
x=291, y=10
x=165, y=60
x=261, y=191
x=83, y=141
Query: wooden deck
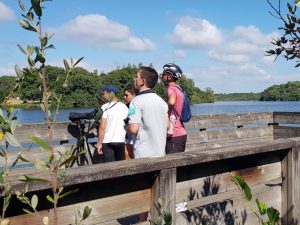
x=262, y=147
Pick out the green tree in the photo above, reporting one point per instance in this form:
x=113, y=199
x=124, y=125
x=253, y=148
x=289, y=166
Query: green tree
x=7, y=84
x=283, y=92
x=288, y=45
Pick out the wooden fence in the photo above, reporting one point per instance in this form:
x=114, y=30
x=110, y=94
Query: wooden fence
x=262, y=147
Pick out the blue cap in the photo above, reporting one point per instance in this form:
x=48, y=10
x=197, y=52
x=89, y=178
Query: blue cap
x=110, y=88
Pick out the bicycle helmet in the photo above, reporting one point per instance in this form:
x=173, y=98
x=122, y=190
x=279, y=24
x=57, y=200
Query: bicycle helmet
x=173, y=69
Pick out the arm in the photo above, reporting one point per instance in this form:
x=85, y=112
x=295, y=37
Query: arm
x=171, y=101
x=101, y=133
x=132, y=128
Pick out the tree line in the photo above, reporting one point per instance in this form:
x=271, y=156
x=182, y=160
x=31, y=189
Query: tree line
x=283, y=92
x=83, y=89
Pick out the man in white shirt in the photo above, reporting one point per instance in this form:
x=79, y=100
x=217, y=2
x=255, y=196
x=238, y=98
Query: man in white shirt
x=148, y=116
x=111, y=138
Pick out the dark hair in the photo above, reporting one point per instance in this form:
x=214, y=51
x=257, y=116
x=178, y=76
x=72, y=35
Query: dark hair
x=131, y=89
x=149, y=75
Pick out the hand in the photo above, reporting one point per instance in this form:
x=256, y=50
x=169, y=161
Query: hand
x=99, y=149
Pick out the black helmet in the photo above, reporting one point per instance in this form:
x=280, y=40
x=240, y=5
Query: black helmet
x=173, y=69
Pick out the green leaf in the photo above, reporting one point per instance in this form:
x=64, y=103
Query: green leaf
x=40, y=142
x=13, y=125
x=71, y=158
x=68, y=193
x=26, y=178
x=2, y=152
x=36, y=5
x=10, y=111
x=40, y=165
x=27, y=211
x=50, y=199
x=10, y=138
x=19, y=71
x=30, y=16
x=25, y=24
x=262, y=207
x=34, y=201
x=273, y=215
x=1, y=176
x=289, y=8
x=22, y=5
x=50, y=46
x=86, y=212
x=78, y=61
x=21, y=49
x=243, y=185
x=44, y=41
x=67, y=67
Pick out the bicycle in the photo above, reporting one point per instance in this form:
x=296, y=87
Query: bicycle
x=84, y=122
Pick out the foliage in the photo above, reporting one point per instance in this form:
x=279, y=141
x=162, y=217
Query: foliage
x=288, y=45
x=7, y=84
x=237, y=97
x=44, y=82
x=83, y=86
x=271, y=213
x=165, y=217
x=283, y=92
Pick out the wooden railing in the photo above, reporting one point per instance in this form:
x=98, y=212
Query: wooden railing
x=249, y=144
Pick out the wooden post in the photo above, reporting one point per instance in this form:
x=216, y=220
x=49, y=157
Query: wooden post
x=290, y=206
x=164, y=187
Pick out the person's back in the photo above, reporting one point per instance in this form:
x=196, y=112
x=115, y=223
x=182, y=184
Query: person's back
x=148, y=116
x=151, y=137
x=177, y=134
x=115, y=113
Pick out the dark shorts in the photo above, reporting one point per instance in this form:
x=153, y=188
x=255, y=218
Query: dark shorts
x=175, y=144
x=113, y=151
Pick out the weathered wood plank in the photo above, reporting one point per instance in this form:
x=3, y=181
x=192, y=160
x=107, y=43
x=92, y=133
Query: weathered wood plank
x=220, y=183
x=225, y=143
x=104, y=210
x=286, y=117
x=223, y=120
x=125, y=168
x=291, y=186
x=286, y=132
x=61, y=132
x=230, y=134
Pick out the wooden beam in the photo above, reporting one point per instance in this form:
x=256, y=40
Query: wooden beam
x=291, y=186
x=164, y=187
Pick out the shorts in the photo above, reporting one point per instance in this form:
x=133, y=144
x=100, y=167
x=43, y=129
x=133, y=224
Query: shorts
x=176, y=144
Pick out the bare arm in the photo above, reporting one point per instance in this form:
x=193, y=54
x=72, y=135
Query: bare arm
x=171, y=101
x=101, y=133
x=132, y=128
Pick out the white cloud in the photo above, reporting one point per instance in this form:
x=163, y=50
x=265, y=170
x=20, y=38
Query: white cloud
x=195, y=33
x=96, y=30
x=6, y=13
x=236, y=58
x=243, y=44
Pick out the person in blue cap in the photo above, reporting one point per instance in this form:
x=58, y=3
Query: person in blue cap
x=111, y=137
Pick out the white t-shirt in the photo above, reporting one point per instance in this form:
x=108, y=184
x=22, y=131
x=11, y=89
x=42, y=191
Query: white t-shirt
x=151, y=113
x=114, y=113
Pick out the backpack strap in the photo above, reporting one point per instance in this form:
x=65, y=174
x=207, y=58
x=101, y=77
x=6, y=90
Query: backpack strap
x=174, y=110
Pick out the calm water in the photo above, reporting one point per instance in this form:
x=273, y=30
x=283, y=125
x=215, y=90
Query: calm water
x=36, y=116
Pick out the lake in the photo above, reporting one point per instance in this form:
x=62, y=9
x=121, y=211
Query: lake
x=36, y=116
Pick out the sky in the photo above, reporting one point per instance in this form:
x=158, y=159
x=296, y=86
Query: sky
x=219, y=44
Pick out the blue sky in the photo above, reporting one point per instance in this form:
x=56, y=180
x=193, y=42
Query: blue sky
x=219, y=44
